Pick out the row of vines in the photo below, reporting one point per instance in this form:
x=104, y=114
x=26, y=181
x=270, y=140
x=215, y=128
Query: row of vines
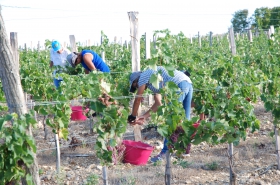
x=225, y=86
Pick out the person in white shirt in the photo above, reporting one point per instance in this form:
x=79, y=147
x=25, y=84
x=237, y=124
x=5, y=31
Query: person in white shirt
x=58, y=56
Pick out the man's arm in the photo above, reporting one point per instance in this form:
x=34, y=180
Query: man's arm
x=86, y=71
x=138, y=99
x=88, y=57
x=154, y=107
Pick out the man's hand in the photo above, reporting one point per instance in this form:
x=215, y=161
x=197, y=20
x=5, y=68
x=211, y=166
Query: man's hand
x=131, y=118
x=138, y=121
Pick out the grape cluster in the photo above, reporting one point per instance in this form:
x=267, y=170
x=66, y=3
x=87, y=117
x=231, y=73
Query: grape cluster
x=117, y=153
x=174, y=137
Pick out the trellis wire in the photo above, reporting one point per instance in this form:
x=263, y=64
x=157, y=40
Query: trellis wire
x=125, y=97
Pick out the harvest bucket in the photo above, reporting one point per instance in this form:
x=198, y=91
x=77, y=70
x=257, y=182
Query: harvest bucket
x=137, y=153
x=77, y=113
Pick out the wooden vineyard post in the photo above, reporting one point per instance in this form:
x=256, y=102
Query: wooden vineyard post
x=135, y=51
x=90, y=125
x=271, y=32
x=57, y=153
x=120, y=42
x=88, y=42
x=199, y=40
x=102, y=52
x=167, y=169
x=73, y=43
x=232, y=42
x=148, y=56
x=277, y=138
x=210, y=41
x=45, y=128
x=38, y=46
x=276, y=129
x=268, y=33
x=104, y=175
x=250, y=37
x=14, y=46
x=115, y=50
x=232, y=175
x=12, y=88
x=147, y=47
x=155, y=41
x=126, y=44
x=32, y=107
x=237, y=36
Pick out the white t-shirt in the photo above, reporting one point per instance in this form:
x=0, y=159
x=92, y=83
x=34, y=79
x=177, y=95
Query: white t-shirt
x=59, y=59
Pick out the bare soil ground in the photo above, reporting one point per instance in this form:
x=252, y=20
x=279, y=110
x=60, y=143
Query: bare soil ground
x=255, y=160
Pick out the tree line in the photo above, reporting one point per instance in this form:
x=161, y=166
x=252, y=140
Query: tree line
x=261, y=19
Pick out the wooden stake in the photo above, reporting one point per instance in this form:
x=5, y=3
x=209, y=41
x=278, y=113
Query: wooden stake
x=38, y=46
x=230, y=145
x=102, y=52
x=232, y=41
x=271, y=32
x=210, y=40
x=148, y=56
x=135, y=47
x=199, y=40
x=277, y=138
x=14, y=47
x=45, y=128
x=250, y=37
x=167, y=169
x=90, y=125
x=73, y=43
x=105, y=176
x=57, y=153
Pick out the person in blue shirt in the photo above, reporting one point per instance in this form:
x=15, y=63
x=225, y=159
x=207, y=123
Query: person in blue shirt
x=90, y=61
x=139, y=81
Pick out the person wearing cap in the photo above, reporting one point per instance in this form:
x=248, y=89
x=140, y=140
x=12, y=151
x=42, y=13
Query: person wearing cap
x=58, y=56
x=140, y=81
x=90, y=61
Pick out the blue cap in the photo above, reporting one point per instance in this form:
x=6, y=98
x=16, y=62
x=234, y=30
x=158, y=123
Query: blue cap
x=56, y=45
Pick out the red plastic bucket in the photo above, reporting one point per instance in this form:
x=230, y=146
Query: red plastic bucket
x=77, y=113
x=137, y=153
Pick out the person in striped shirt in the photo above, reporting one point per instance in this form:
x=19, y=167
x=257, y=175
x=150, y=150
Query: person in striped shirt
x=140, y=81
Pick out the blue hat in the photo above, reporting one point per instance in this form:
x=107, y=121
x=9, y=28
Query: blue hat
x=56, y=45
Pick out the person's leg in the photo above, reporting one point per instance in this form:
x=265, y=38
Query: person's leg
x=186, y=99
x=165, y=147
x=187, y=106
x=162, y=154
x=56, y=82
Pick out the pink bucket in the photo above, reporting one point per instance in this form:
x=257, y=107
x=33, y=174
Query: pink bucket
x=137, y=153
x=77, y=113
